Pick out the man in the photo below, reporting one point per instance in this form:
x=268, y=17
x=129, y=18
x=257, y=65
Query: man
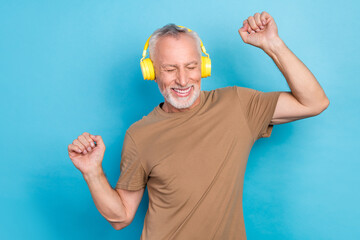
x=191, y=150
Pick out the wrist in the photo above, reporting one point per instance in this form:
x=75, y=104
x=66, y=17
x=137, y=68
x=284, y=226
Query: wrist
x=93, y=174
x=275, y=47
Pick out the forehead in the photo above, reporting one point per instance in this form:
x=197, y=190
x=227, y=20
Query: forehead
x=184, y=46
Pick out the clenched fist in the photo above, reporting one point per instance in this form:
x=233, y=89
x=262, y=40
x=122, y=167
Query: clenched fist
x=260, y=31
x=85, y=155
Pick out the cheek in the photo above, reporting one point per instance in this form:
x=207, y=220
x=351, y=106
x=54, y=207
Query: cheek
x=196, y=75
x=163, y=85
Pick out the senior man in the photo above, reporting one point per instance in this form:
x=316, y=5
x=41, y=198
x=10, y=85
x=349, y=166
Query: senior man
x=191, y=150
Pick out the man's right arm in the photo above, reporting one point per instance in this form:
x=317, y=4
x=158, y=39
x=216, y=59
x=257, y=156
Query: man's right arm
x=118, y=206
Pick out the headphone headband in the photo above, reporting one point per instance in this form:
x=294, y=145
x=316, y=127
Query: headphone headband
x=147, y=45
x=147, y=67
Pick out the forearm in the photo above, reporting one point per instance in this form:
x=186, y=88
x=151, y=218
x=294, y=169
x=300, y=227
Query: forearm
x=303, y=84
x=106, y=199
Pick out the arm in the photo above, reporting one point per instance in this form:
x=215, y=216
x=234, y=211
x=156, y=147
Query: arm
x=118, y=206
x=306, y=98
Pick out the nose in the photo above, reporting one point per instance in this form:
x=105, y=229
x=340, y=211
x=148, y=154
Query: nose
x=181, y=78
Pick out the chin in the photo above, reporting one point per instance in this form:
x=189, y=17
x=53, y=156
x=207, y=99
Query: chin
x=180, y=102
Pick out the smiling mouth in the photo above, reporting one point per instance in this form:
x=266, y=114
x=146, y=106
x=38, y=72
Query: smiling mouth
x=182, y=92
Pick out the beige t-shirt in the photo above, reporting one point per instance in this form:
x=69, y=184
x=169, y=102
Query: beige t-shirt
x=193, y=163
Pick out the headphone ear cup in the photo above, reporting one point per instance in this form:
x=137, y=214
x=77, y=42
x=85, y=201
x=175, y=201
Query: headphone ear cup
x=205, y=67
x=147, y=69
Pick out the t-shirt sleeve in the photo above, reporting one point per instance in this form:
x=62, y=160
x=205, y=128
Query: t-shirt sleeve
x=259, y=108
x=132, y=173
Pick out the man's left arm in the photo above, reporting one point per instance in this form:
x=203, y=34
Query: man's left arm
x=307, y=98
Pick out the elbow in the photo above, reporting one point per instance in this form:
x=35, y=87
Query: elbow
x=116, y=226
x=327, y=103
x=119, y=225
x=323, y=106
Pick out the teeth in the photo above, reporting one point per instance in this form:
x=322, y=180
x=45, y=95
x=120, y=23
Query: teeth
x=182, y=91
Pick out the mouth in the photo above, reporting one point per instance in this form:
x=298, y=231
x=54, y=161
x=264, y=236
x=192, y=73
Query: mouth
x=182, y=92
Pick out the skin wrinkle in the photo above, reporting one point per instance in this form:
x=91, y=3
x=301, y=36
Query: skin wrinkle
x=177, y=65
x=172, y=65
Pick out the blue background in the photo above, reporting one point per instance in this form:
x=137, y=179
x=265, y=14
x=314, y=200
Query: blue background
x=67, y=67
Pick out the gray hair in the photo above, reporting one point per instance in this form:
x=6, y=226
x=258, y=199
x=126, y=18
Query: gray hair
x=174, y=31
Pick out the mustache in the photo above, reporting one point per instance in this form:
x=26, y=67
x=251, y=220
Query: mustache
x=183, y=88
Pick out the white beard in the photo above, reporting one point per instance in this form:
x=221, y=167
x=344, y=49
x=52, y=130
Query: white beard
x=181, y=102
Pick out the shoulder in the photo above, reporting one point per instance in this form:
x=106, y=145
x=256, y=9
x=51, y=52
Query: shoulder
x=232, y=92
x=241, y=91
x=145, y=126
x=141, y=123
x=245, y=94
x=221, y=92
x=224, y=90
x=236, y=95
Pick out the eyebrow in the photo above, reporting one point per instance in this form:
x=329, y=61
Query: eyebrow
x=174, y=65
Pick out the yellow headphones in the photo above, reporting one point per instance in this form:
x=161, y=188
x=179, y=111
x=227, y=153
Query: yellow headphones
x=147, y=67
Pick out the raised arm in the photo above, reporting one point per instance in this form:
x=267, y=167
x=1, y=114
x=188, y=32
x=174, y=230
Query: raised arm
x=306, y=98
x=118, y=206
